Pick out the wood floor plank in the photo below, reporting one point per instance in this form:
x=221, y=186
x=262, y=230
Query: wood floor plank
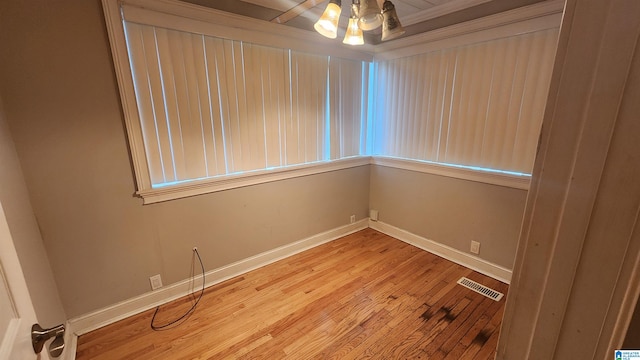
x=364, y=296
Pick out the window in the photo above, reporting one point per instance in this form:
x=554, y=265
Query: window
x=214, y=101
x=210, y=108
x=479, y=105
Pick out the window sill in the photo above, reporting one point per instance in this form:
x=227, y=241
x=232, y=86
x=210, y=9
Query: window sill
x=512, y=180
x=199, y=187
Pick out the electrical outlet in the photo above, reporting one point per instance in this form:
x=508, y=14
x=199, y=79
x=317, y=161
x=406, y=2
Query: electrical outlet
x=352, y=219
x=156, y=282
x=373, y=215
x=475, y=247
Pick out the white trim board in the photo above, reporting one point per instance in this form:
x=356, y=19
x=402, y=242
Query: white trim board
x=92, y=321
x=474, y=263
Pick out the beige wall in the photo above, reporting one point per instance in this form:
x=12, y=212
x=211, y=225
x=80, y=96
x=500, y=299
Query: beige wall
x=450, y=211
x=57, y=79
x=63, y=110
x=25, y=233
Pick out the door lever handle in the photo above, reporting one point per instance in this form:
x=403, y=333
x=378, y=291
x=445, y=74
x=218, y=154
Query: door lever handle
x=39, y=336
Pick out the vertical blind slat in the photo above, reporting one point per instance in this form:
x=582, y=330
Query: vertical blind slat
x=293, y=131
x=194, y=148
x=230, y=116
x=406, y=112
x=352, y=138
x=172, y=49
x=482, y=102
x=424, y=131
x=215, y=62
x=204, y=109
x=249, y=84
x=497, y=113
x=242, y=120
x=447, y=103
x=334, y=113
x=270, y=94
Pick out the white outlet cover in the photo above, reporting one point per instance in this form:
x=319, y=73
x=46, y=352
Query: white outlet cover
x=475, y=247
x=156, y=282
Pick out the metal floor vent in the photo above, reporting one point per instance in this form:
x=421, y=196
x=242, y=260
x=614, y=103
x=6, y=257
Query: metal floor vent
x=480, y=289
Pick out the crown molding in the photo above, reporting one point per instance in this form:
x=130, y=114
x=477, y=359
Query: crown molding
x=212, y=22
x=222, y=24
x=536, y=17
x=440, y=10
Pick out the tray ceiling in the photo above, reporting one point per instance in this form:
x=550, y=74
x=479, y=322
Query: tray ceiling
x=416, y=16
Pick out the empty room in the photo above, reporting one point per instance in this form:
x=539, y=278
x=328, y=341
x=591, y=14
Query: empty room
x=301, y=179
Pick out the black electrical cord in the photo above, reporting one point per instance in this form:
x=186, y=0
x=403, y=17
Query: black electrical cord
x=160, y=327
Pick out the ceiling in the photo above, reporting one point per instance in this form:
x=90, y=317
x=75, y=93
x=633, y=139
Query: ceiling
x=416, y=16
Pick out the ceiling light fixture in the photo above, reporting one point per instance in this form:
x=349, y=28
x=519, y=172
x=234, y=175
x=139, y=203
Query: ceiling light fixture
x=391, y=27
x=327, y=25
x=370, y=15
x=365, y=15
x=353, y=36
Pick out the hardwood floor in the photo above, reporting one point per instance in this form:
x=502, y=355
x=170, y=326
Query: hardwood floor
x=363, y=296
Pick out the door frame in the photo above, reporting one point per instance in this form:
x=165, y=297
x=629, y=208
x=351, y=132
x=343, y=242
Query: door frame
x=569, y=225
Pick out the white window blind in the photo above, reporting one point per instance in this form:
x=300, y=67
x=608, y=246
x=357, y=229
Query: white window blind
x=211, y=106
x=479, y=105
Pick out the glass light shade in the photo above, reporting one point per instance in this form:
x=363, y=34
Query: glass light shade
x=370, y=16
x=391, y=27
x=327, y=25
x=354, y=33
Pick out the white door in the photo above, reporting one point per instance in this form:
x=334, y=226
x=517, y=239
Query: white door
x=16, y=309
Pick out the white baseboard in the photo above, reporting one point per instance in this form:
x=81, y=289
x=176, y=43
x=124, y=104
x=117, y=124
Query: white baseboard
x=89, y=322
x=472, y=262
